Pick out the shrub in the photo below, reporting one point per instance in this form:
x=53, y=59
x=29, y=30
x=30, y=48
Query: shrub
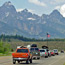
x=4, y=47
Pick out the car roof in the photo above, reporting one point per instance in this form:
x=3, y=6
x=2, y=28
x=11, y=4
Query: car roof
x=55, y=49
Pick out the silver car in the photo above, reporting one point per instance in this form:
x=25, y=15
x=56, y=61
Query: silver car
x=44, y=53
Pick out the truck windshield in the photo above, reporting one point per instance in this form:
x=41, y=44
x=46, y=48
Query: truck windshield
x=22, y=50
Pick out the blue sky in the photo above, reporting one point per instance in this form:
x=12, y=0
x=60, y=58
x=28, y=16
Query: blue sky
x=38, y=6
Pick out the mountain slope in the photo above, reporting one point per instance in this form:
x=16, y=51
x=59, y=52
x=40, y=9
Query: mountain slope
x=30, y=25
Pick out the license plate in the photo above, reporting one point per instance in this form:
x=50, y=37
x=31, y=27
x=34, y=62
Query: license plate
x=36, y=53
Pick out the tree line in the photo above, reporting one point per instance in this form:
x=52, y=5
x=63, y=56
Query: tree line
x=19, y=37
x=22, y=38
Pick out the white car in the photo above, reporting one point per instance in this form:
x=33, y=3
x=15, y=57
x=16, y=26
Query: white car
x=44, y=53
x=56, y=51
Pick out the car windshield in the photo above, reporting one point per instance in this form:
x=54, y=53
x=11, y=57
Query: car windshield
x=55, y=50
x=22, y=50
x=32, y=49
x=52, y=51
x=42, y=50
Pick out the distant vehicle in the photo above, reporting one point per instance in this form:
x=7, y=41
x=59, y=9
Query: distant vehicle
x=28, y=46
x=49, y=53
x=44, y=53
x=56, y=51
x=52, y=53
x=62, y=51
x=45, y=47
x=35, y=52
x=22, y=54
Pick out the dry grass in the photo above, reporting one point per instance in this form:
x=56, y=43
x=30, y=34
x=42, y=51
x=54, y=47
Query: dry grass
x=60, y=45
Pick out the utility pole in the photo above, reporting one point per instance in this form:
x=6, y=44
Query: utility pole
x=47, y=39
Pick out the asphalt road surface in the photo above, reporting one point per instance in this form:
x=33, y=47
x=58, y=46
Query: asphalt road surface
x=53, y=60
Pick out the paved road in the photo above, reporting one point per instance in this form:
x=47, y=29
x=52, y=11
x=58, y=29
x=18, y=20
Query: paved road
x=54, y=60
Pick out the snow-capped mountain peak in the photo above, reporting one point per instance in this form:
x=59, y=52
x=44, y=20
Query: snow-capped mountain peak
x=7, y=3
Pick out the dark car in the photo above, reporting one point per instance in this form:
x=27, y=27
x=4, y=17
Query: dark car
x=34, y=45
x=62, y=51
x=35, y=52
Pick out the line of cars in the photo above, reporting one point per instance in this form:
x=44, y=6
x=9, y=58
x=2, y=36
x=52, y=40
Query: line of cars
x=31, y=52
x=48, y=53
x=26, y=54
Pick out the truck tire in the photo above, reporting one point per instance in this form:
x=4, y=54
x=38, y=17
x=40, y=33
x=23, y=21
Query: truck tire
x=27, y=61
x=31, y=60
x=18, y=61
x=38, y=58
x=14, y=62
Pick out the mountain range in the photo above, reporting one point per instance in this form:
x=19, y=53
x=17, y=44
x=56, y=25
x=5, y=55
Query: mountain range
x=30, y=25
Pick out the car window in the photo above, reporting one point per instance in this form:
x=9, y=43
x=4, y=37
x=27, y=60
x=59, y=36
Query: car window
x=36, y=49
x=42, y=50
x=22, y=50
x=32, y=49
x=55, y=50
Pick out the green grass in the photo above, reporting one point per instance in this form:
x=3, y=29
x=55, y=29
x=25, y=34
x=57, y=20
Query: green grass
x=1, y=54
x=64, y=64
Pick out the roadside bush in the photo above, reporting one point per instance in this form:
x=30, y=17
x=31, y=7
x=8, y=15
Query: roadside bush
x=4, y=47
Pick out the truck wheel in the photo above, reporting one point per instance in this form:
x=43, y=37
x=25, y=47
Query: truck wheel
x=31, y=60
x=18, y=61
x=38, y=58
x=14, y=62
x=27, y=61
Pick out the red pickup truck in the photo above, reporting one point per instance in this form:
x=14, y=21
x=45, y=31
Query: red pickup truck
x=22, y=54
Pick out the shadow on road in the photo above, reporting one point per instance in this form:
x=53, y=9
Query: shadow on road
x=29, y=63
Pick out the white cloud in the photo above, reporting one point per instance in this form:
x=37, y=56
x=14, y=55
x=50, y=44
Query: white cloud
x=57, y=1
x=37, y=2
x=62, y=10
x=30, y=10
x=58, y=7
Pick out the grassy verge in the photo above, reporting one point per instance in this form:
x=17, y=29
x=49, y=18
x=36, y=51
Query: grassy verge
x=60, y=45
x=9, y=54
x=64, y=64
